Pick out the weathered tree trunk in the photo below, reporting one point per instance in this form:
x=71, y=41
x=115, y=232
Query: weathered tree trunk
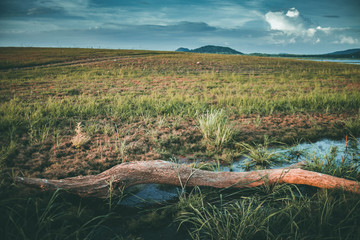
x=162, y=172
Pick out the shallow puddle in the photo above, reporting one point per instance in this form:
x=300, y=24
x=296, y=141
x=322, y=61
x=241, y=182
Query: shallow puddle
x=149, y=194
x=339, y=149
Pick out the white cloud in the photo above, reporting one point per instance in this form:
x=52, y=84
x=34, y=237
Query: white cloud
x=279, y=21
x=347, y=40
x=293, y=12
x=290, y=23
x=293, y=26
x=311, y=32
x=326, y=30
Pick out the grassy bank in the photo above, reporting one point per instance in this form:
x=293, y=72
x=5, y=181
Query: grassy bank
x=69, y=112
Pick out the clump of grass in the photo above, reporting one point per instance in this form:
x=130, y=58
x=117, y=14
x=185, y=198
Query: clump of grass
x=214, y=126
x=259, y=155
x=343, y=166
x=81, y=138
x=246, y=219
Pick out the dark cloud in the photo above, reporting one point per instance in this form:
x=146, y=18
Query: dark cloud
x=331, y=16
x=180, y=28
x=31, y=8
x=150, y=3
x=157, y=37
x=44, y=11
x=191, y=27
x=15, y=8
x=156, y=32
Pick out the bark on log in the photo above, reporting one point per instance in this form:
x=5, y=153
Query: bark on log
x=163, y=172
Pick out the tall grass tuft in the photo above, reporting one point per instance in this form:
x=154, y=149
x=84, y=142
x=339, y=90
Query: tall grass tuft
x=214, y=126
x=80, y=138
x=259, y=155
x=246, y=219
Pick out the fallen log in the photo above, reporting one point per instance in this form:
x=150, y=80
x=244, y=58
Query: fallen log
x=162, y=172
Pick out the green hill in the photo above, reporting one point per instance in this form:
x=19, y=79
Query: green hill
x=211, y=49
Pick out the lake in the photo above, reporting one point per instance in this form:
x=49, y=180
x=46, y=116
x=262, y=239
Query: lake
x=347, y=61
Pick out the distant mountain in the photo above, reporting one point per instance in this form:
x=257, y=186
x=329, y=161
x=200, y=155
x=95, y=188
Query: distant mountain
x=210, y=49
x=182, y=50
x=349, y=51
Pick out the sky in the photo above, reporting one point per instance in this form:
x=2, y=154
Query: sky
x=264, y=26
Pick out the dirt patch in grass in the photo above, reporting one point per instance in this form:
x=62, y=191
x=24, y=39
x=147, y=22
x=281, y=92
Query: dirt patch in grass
x=291, y=128
x=163, y=138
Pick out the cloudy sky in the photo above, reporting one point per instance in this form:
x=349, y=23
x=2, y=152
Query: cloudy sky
x=268, y=26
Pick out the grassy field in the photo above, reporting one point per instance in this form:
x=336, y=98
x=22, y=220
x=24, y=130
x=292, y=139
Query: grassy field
x=69, y=112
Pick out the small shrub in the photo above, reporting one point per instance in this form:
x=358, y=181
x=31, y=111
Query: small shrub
x=80, y=138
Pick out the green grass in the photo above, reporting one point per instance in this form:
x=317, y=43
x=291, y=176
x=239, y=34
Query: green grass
x=260, y=155
x=140, y=105
x=242, y=220
x=128, y=86
x=282, y=213
x=215, y=128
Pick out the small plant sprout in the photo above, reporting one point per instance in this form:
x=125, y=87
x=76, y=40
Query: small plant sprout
x=81, y=138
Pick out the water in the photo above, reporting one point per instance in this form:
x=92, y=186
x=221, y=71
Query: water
x=346, y=61
x=306, y=151
x=148, y=194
